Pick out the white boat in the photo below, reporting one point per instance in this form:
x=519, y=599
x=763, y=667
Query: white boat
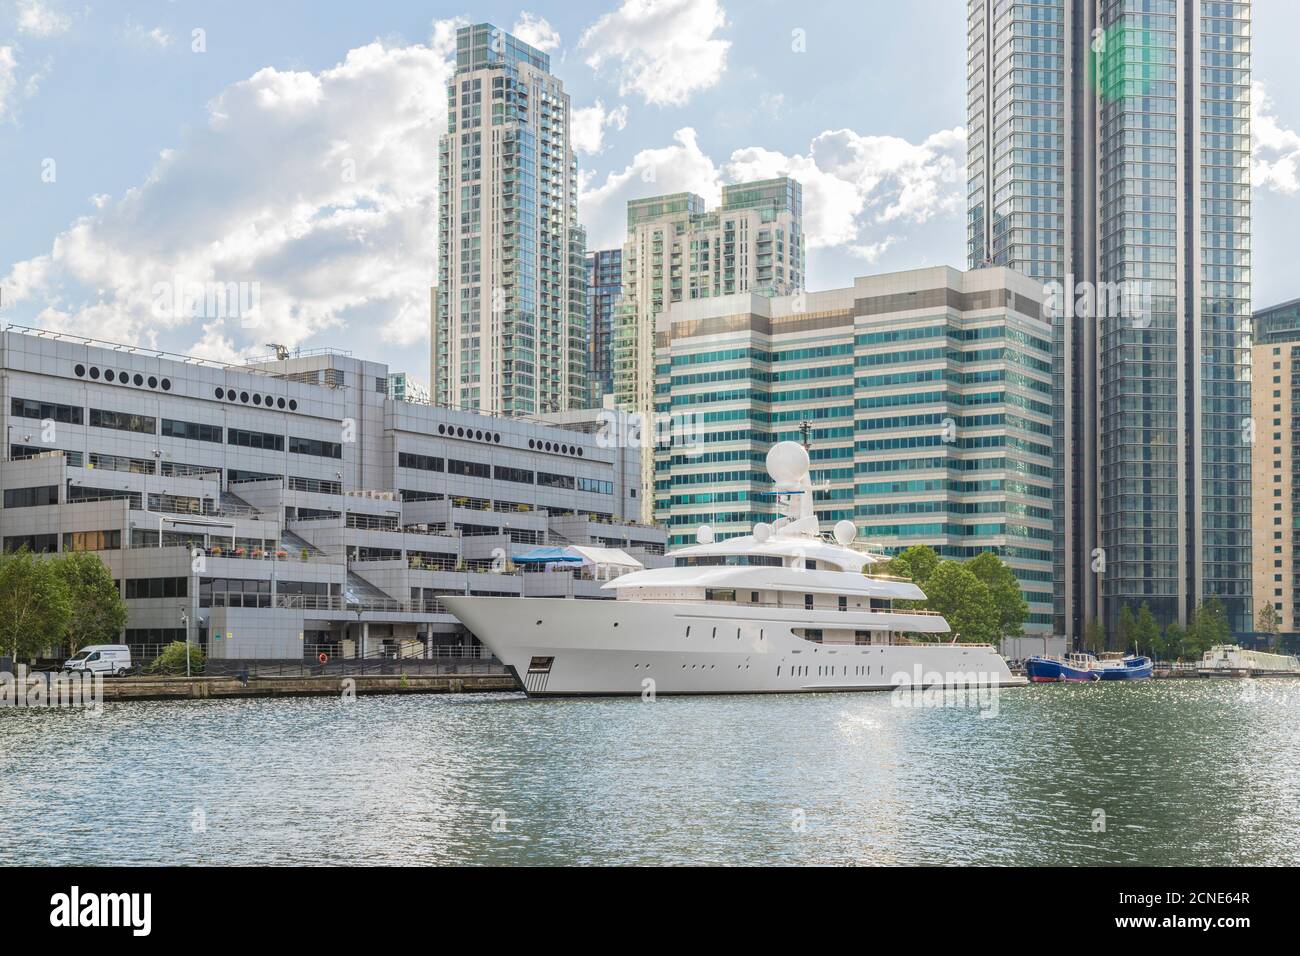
x=781, y=610
x=1230, y=660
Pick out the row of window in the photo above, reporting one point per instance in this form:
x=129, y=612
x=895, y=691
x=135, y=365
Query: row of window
x=142, y=588
x=31, y=497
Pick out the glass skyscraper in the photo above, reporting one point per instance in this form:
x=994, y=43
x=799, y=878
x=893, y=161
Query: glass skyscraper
x=604, y=291
x=1109, y=143
x=509, y=326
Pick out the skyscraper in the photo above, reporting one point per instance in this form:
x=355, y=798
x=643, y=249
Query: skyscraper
x=1109, y=143
x=604, y=290
x=510, y=330
x=677, y=251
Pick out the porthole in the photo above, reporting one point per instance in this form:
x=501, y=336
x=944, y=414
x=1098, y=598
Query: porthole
x=478, y=436
x=496, y=437
x=442, y=429
x=548, y=446
x=220, y=393
x=167, y=385
x=243, y=397
x=138, y=379
x=532, y=443
x=257, y=399
x=539, y=623
x=231, y=396
x=108, y=375
x=81, y=371
x=94, y=372
x=279, y=403
x=269, y=401
x=579, y=452
x=153, y=382
x=293, y=404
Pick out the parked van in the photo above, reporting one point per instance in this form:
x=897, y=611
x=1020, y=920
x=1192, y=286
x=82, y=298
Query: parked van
x=114, y=659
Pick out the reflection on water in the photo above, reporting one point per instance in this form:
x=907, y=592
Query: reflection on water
x=1184, y=772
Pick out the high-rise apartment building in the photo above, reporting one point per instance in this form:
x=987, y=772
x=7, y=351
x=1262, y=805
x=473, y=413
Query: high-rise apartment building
x=1109, y=143
x=604, y=291
x=510, y=330
x=676, y=251
x=1275, y=470
x=927, y=400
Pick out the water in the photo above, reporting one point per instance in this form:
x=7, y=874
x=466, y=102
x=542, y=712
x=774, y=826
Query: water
x=1187, y=772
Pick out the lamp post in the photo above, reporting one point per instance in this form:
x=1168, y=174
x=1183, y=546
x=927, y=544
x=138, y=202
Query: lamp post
x=185, y=623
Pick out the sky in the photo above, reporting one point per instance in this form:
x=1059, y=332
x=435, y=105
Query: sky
x=291, y=147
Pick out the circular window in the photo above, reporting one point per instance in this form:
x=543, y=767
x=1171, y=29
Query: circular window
x=496, y=437
x=80, y=370
x=108, y=375
x=478, y=435
x=280, y=402
x=139, y=379
x=243, y=397
x=153, y=382
x=460, y=433
x=94, y=372
x=167, y=385
x=269, y=401
x=257, y=399
x=531, y=443
x=293, y=404
x=579, y=452
x=442, y=429
x=220, y=393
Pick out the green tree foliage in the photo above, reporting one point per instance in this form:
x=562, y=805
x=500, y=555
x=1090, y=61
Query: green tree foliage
x=98, y=612
x=964, y=600
x=1209, y=627
x=1146, y=632
x=34, y=605
x=172, y=659
x=1126, y=627
x=1094, y=636
x=1009, y=604
x=1174, y=643
x=1267, y=622
x=916, y=564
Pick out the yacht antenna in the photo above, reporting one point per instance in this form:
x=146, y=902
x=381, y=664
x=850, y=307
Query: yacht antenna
x=805, y=427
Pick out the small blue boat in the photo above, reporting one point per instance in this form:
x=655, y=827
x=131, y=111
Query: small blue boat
x=1074, y=668
x=1117, y=666
x=1084, y=668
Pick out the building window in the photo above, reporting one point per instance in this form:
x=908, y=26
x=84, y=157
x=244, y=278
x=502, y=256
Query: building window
x=123, y=421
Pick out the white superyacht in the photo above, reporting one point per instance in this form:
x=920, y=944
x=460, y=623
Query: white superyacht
x=781, y=610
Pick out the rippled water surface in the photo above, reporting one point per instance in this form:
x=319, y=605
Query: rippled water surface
x=1185, y=772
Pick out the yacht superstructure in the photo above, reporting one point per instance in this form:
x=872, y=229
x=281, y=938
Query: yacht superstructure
x=781, y=610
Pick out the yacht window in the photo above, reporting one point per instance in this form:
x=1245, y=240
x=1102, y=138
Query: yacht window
x=813, y=634
x=807, y=602
x=719, y=594
x=844, y=603
x=753, y=596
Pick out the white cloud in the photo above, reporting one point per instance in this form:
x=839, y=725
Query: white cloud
x=663, y=50
x=1275, y=149
x=587, y=126
x=855, y=188
x=536, y=31
x=39, y=19
x=157, y=37
x=316, y=186
x=682, y=167
x=8, y=79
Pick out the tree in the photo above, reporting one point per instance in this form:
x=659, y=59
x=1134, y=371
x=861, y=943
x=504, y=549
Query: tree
x=1009, y=604
x=916, y=563
x=98, y=612
x=1126, y=627
x=1268, y=624
x=1174, y=644
x=964, y=600
x=1146, y=632
x=1209, y=627
x=172, y=659
x=34, y=606
x=1094, y=636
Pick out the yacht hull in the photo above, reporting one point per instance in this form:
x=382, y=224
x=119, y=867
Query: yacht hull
x=564, y=647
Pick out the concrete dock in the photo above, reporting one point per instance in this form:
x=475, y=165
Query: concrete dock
x=205, y=688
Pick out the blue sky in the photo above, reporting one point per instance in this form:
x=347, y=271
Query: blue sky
x=293, y=144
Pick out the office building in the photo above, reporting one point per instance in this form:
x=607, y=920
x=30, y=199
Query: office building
x=604, y=292
x=1109, y=143
x=925, y=398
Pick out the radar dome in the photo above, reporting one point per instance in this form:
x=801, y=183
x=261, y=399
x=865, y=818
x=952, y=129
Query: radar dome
x=704, y=534
x=762, y=531
x=845, y=532
x=787, y=462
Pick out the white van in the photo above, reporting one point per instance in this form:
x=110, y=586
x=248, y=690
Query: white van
x=114, y=659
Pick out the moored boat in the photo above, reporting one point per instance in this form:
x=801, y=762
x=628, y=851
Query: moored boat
x=1230, y=660
x=1073, y=668
x=1116, y=666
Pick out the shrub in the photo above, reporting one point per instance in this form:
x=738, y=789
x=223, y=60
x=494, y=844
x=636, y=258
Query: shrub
x=172, y=659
